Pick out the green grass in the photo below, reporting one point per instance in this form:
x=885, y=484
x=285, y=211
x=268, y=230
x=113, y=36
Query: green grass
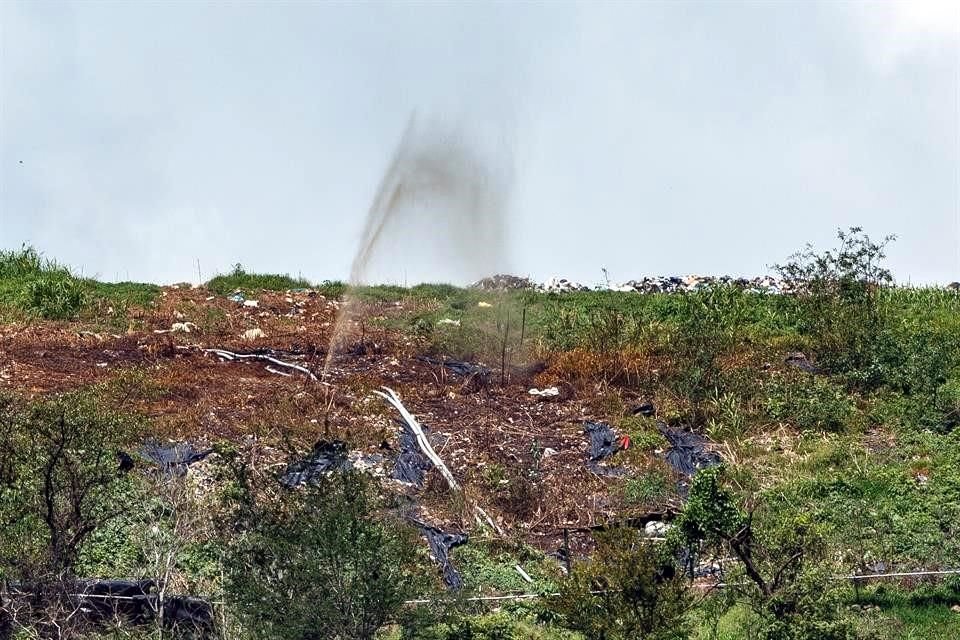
x=31, y=285
x=240, y=280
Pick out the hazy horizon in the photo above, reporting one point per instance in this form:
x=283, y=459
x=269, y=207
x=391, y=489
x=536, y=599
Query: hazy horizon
x=647, y=139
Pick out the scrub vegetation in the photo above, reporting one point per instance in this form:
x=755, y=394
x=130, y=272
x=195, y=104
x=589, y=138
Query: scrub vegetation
x=833, y=410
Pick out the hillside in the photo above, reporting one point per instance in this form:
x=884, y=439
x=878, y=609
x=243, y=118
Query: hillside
x=826, y=416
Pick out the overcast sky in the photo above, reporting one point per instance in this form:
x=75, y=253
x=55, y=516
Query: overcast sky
x=647, y=138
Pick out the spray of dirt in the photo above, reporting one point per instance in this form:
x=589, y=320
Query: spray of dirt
x=439, y=213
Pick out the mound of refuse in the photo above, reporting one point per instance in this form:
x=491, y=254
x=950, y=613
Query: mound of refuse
x=504, y=282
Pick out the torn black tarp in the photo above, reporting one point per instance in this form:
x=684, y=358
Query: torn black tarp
x=101, y=600
x=185, y=613
x=799, y=360
x=458, y=367
x=327, y=456
x=603, y=444
x=173, y=458
x=603, y=441
x=411, y=465
x=688, y=451
x=440, y=545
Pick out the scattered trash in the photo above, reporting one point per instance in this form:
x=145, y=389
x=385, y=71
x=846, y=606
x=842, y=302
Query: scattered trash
x=549, y=392
x=562, y=285
x=253, y=334
x=182, y=327
x=549, y=452
x=450, y=321
x=688, y=452
x=656, y=529
x=251, y=303
x=327, y=456
x=237, y=297
x=799, y=360
x=650, y=284
x=440, y=545
x=484, y=305
x=173, y=458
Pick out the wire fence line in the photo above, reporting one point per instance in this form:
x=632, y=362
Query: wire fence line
x=533, y=596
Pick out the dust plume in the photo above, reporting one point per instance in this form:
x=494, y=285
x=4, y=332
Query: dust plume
x=439, y=213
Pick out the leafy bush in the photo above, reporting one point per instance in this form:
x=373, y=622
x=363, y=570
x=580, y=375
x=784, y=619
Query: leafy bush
x=811, y=402
x=493, y=626
x=840, y=291
x=318, y=563
x=778, y=554
x=59, y=487
x=627, y=590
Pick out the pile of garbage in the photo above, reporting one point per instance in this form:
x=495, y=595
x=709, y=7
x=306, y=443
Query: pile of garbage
x=503, y=282
x=648, y=284
x=680, y=284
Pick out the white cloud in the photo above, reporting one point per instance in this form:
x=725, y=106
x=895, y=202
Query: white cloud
x=898, y=31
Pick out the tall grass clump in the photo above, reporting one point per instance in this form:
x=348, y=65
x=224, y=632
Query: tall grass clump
x=239, y=279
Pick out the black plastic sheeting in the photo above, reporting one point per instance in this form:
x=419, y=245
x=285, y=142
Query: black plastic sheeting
x=800, y=361
x=440, y=545
x=411, y=465
x=327, y=456
x=603, y=444
x=645, y=409
x=458, y=367
x=173, y=458
x=603, y=441
x=688, y=452
x=136, y=601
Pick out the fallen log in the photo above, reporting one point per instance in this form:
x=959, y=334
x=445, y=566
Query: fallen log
x=391, y=397
x=230, y=355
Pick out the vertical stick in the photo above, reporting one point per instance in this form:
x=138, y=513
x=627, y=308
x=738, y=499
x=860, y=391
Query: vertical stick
x=503, y=352
x=523, y=329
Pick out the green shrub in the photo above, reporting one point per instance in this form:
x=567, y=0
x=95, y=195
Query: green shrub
x=839, y=291
x=318, y=563
x=625, y=591
x=501, y=625
x=57, y=297
x=810, y=402
x=239, y=279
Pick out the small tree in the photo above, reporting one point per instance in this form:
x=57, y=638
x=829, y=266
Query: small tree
x=628, y=590
x=58, y=484
x=839, y=291
x=316, y=563
x=792, y=597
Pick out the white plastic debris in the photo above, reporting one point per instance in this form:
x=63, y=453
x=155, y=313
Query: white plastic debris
x=656, y=529
x=545, y=393
x=450, y=321
x=253, y=334
x=484, y=304
x=182, y=327
x=251, y=303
